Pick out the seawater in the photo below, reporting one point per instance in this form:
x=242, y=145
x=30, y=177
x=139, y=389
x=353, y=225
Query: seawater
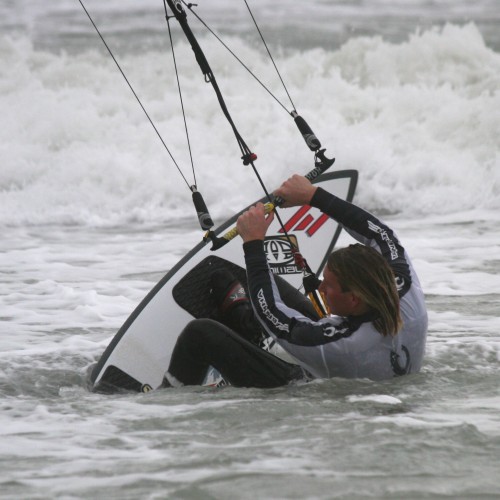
x=93, y=213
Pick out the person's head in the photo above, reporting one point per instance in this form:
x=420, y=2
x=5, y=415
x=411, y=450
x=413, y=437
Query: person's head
x=358, y=280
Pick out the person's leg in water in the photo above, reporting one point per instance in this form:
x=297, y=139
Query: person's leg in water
x=205, y=342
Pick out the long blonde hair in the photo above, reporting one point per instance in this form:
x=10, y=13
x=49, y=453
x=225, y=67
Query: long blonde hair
x=364, y=272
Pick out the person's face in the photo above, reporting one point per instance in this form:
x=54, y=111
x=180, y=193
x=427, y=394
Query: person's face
x=340, y=303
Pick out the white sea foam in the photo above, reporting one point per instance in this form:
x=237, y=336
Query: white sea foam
x=420, y=120
x=375, y=398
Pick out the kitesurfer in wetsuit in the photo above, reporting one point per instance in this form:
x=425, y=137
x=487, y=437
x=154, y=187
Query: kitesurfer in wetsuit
x=378, y=325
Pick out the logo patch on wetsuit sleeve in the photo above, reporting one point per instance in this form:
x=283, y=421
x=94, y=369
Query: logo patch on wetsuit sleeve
x=383, y=234
x=331, y=331
x=400, y=283
x=268, y=314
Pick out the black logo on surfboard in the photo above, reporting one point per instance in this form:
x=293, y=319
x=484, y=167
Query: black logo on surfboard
x=279, y=254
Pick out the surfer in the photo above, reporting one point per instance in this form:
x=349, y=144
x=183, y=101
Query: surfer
x=378, y=325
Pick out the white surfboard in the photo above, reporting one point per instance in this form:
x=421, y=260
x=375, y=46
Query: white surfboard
x=139, y=354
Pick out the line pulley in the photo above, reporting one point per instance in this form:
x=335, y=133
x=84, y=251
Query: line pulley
x=204, y=217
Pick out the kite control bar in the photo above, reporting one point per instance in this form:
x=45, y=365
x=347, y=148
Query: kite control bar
x=323, y=163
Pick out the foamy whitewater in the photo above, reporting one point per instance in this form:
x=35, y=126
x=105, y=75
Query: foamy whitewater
x=93, y=213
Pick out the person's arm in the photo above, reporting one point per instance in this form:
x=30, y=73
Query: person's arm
x=368, y=230
x=360, y=224
x=278, y=319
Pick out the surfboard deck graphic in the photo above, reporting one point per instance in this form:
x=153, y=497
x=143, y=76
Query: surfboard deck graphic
x=139, y=354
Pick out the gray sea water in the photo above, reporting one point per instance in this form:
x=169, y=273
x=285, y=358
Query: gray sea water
x=93, y=214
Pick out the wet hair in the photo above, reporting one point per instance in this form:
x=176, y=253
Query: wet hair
x=364, y=272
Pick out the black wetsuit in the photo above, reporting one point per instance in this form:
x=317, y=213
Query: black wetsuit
x=331, y=347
